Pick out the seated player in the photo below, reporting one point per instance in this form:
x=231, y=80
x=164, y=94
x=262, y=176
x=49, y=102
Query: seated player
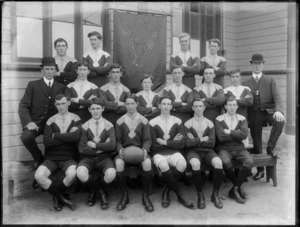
x=180, y=94
x=212, y=94
x=167, y=133
x=147, y=99
x=62, y=131
x=132, y=129
x=96, y=148
x=81, y=93
x=115, y=94
x=231, y=130
x=189, y=64
x=200, y=142
x=215, y=61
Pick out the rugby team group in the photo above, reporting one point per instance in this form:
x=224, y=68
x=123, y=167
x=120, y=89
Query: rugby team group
x=90, y=120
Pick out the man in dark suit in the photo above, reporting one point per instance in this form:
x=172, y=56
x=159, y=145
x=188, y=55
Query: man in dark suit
x=266, y=109
x=37, y=106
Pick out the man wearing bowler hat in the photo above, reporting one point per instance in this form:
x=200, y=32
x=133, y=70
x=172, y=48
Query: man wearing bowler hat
x=37, y=106
x=266, y=109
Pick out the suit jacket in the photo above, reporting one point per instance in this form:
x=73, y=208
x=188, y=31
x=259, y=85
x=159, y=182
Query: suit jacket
x=36, y=105
x=270, y=99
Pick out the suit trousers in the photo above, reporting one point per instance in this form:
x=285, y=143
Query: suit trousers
x=258, y=119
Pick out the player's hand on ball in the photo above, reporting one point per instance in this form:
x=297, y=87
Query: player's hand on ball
x=178, y=137
x=91, y=144
x=190, y=135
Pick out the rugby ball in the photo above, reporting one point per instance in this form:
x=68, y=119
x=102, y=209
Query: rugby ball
x=133, y=155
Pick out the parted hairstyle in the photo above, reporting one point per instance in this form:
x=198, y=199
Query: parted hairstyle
x=82, y=63
x=132, y=96
x=116, y=66
x=209, y=67
x=229, y=99
x=146, y=76
x=61, y=96
x=94, y=33
x=165, y=97
x=59, y=40
x=214, y=40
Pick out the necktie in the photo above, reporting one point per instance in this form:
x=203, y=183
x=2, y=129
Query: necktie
x=49, y=84
x=256, y=79
x=97, y=132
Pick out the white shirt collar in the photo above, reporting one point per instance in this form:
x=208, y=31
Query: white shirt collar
x=98, y=120
x=47, y=81
x=255, y=75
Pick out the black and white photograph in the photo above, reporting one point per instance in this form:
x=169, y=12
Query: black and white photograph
x=149, y=113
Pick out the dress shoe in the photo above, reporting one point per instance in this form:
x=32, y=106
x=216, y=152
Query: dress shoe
x=165, y=202
x=242, y=193
x=201, y=201
x=185, y=202
x=258, y=175
x=66, y=202
x=92, y=198
x=34, y=184
x=103, y=199
x=272, y=152
x=123, y=202
x=147, y=203
x=57, y=204
x=234, y=194
x=216, y=200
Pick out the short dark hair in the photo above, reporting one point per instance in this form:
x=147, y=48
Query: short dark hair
x=116, y=66
x=59, y=40
x=146, y=76
x=82, y=63
x=94, y=33
x=235, y=71
x=197, y=100
x=229, y=99
x=209, y=67
x=176, y=67
x=97, y=101
x=214, y=40
x=132, y=96
x=165, y=97
x=61, y=96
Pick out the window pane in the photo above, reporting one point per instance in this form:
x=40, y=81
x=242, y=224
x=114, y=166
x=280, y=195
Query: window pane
x=29, y=9
x=63, y=11
x=65, y=31
x=92, y=13
x=86, y=41
x=177, y=22
x=195, y=47
x=29, y=38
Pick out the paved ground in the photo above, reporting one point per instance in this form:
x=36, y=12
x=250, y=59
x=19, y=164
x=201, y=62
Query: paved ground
x=266, y=204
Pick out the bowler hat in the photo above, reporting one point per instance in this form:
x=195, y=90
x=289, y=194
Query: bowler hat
x=257, y=58
x=48, y=61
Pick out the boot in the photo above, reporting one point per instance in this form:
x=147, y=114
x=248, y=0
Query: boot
x=123, y=202
x=147, y=179
x=242, y=193
x=201, y=201
x=165, y=202
x=122, y=180
x=57, y=204
x=234, y=194
x=147, y=203
x=92, y=198
x=217, y=180
x=103, y=199
x=66, y=202
x=216, y=200
x=184, y=202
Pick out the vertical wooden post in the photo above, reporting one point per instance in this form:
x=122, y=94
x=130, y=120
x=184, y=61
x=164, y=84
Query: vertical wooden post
x=47, y=29
x=78, y=39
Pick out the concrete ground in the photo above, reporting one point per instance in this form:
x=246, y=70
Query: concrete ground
x=267, y=205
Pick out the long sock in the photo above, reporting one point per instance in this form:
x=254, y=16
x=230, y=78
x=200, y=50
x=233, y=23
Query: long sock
x=242, y=176
x=171, y=181
x=230, y=174
x=177, y=174
x=122, y=181
x=217, y=179
x=197, y=178
x=147, y=179
x=53, y=189
x=91, y=183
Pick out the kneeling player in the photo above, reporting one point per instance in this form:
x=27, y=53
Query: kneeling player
x=96, y=147
x=60, y=137
x=200, y=142
x=132, y=129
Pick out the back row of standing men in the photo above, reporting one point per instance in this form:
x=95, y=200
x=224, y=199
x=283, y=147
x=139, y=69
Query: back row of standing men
x=260, y=96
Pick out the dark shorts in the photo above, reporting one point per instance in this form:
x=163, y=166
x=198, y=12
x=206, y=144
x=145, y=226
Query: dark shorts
x=127, y=164
x=242, y=156
x=204, y=157
x=97, y=163
x=54, y=165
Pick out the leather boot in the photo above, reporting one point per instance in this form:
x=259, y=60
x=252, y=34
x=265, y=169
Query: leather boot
x=234, y=194
x=123, y=202
x=185, y=202
x=165, y=202
x=57, y=204
x=216, y=200
x=66, y=202
x=92, y=198
x=201, y=201
x=147, y=203
x=103, y=199
x=242, y=193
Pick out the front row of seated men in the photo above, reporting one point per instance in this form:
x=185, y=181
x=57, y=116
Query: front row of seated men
x=166, y=142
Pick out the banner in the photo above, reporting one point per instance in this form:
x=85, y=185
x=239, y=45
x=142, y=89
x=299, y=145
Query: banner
x=139, y=45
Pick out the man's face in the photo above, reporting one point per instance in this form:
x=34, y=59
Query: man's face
x=165, y=106
x=184, y=43
x=198, y=108
x=235, y=79
x=177, y=76
x=62, y=105
x=95, y=42
x=96, y=111
x=48, y=72
x=82, y=72
x=213, y=47
x=257, y=67
x=61, y=48
x=115, y=75
x=147, y=84
x=131, y=106
x=209, y=75
x=231, y=107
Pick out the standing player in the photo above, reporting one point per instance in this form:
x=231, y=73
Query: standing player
x=200, y=143
x=96, y=148
x=132, y=129
x=62, y=131
x=167, y=133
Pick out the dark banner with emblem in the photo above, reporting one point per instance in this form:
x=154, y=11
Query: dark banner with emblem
x=139, y=45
